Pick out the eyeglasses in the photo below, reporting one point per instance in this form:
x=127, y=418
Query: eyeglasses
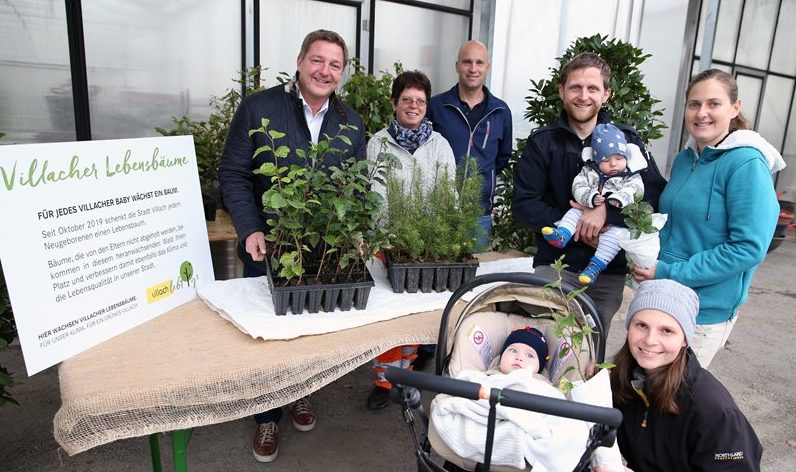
x=409, y=101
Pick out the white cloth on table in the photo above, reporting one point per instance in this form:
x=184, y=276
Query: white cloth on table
x=248, y=305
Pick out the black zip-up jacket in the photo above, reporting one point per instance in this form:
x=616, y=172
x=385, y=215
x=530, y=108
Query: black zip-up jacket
x=241, y=190
x=709, y=434
x=543, y=189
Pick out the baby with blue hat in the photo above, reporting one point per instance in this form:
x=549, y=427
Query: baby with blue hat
x=608, y=177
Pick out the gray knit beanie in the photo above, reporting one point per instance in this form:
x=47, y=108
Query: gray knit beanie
x=670, y=297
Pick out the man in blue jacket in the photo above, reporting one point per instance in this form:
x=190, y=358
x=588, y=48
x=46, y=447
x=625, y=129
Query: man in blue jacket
x=305, y=108
x=475, y=123
x=543, y=182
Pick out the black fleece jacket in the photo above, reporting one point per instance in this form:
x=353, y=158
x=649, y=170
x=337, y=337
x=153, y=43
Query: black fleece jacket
x=709, y=434
x=543, y=188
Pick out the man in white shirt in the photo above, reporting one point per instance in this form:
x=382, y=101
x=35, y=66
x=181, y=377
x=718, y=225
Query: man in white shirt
x=304, y=109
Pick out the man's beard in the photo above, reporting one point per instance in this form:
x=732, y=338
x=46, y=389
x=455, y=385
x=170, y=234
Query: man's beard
x=581, y=115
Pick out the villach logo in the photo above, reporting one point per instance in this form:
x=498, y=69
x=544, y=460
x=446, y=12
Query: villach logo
x=165, y=289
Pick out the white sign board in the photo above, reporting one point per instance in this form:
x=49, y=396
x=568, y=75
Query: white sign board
x=98, y=237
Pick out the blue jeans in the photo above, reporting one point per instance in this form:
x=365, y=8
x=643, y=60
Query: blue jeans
x=274, y=415
x=484, y=243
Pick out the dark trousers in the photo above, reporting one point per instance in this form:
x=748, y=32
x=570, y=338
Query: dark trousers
x=606, y=292
x=274, y=414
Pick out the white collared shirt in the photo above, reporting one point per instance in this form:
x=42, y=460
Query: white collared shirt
x=314, y=122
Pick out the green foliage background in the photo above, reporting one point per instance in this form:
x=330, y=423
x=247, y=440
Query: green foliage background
x=370, y=95
x=8, y=331
x=630, y=104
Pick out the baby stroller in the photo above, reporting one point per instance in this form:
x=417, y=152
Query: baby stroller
x=515, y=301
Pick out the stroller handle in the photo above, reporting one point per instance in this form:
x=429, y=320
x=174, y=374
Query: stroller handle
x=507, y=397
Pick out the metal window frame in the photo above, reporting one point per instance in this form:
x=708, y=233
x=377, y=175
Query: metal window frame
x=468, y=13
x=79, y=71
x=755, y=74
x=77, y=65
x=348, y=3
x=77, y=48
x=737, y=69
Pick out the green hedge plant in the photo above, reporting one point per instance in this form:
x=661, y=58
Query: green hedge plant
x=370, y=95
x=631, y=104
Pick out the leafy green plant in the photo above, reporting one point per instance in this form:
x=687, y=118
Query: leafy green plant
x=8, y=332
x=436, y=222
x=370, y=95
x=320, y=217
x=631, y=104
x=638, y=217
x=568, y=327
x=209, y=135
x=506, y=234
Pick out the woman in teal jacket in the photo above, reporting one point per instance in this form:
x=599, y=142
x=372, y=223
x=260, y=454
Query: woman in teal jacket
x=722, y=209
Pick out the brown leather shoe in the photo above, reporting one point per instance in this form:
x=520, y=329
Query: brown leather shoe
x=265, y=445
x=303, y=417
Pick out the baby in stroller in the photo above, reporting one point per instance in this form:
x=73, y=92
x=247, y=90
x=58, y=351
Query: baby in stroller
x=521, y=437
x=474, y=338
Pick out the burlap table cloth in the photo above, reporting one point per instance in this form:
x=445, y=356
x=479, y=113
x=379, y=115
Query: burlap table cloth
x=190, y=368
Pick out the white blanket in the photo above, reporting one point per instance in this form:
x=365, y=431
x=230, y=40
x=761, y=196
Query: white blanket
x=247, y=303
x=546, y=442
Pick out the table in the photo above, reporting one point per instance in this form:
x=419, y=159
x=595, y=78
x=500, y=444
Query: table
x=190, y=368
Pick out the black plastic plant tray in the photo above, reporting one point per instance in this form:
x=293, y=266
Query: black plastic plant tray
x=427, y=276
x=326, y=297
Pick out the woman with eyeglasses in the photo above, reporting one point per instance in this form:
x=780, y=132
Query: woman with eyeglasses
x=410, y=138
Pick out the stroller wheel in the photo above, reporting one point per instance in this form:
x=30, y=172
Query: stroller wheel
x=379, y=398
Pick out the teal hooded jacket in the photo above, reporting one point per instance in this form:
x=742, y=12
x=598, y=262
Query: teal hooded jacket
x=722, y=211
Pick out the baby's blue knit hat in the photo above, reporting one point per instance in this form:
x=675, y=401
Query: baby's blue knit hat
x=607, y=139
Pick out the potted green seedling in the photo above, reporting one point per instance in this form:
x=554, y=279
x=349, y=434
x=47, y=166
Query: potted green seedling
x=322, y=224
x=433, y=228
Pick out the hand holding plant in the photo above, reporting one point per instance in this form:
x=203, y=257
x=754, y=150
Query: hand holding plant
x=641, y=242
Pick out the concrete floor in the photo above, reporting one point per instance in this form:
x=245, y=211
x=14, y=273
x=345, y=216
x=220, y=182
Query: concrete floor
x=757, y=367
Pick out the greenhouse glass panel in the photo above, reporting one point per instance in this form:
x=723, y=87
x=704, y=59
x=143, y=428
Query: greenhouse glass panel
x=35, y=78
x=150, y=61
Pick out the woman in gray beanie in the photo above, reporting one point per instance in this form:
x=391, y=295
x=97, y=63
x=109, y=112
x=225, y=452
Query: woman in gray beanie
x=677, y=416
